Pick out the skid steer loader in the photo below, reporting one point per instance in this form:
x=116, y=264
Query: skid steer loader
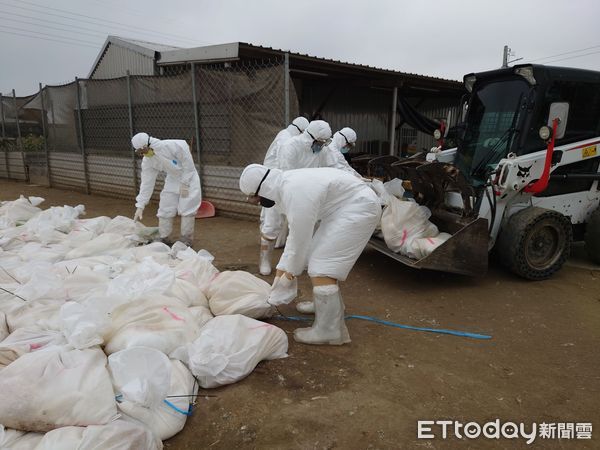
x=523, y=180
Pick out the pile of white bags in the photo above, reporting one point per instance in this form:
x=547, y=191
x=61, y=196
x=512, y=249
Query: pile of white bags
x=76, y=290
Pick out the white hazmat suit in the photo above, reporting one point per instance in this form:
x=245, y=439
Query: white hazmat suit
x=271, y=220
x=348, y=212
x=341, y=143
x=181, y=193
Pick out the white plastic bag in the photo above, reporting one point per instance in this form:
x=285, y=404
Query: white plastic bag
x=202, y=314
x=42, y=313
x=156, y=322
x=404, y=221
x=141, y=375
x=186, y=293
x=425, y=246
x=197, y=270
x=106, y=243
x=147, y=277
x=18, y=440
x=239, y=292
x=230, y=347
x=25, y=340
x=120, y=434
x=3, y=327
x=168, y=417
x=394, y=187
x=56, y=387
x=83, y=326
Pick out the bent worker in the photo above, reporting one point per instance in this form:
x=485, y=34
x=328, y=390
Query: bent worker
x=348, y=211
x=271, y=220
x=181, y=193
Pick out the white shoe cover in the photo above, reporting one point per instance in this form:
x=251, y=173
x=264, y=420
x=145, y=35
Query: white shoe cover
x=165, y=227
x=329, y=326
x=187, y=230
x=305, y=307
x=264, y=265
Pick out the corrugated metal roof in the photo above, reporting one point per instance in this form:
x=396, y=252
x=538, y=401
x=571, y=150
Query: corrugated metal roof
x=335, y=61
x=151, y=45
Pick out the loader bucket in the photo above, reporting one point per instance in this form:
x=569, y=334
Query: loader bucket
x=465, y=253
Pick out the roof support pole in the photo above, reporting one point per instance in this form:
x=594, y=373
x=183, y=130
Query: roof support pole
x=81, y=141
x=133, y=160
x=4, y=136
x=45, y=136
x=286, y=89
x=392, y=127
x=196, y=118
x=19, y=137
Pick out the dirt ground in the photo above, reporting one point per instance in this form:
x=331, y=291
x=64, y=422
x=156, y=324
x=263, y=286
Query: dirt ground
x=541, y=364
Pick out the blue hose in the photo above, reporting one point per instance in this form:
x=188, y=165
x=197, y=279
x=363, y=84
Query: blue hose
x=396, y=325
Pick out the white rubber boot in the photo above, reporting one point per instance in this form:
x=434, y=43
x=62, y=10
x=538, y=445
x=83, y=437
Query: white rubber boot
x=266, y=248
x=306, y=307
x=329, y=326
x=165, y=227
x=187, y=230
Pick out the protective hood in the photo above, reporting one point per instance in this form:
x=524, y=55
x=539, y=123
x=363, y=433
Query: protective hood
x=251, y=177
x=299, y=124
x=339, y=138
x=141, y=140
x=319, y=130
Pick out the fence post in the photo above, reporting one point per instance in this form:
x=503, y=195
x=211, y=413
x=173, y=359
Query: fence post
x=286, y=89
x=85, y=169
x=45, y=138
x=196, y=121
x=392, y=129
x=133, y=160
x=4, y=136
x=19, y=138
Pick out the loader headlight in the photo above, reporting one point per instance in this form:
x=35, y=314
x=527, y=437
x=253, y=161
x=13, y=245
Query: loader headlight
x=437, y=134
x=545, y=133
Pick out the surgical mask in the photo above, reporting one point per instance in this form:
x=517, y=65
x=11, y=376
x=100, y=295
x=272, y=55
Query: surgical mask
x=345, y=149
x=266, y=203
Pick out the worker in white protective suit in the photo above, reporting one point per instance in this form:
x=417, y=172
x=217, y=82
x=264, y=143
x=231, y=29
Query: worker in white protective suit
x=181, y=193
x=271, y=220
x=348, y=212
x=305, y=150
x=342, y=142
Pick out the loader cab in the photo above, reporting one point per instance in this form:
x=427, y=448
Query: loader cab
x=508, y=106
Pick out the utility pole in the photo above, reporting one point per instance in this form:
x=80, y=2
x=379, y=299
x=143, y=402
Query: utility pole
x=505, y=57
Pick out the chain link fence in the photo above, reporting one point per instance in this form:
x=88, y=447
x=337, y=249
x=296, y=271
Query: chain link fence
x=77, y=136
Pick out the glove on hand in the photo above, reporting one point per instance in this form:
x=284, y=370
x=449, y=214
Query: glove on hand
x=138, y=214
x=283, y=291
x=184, y=191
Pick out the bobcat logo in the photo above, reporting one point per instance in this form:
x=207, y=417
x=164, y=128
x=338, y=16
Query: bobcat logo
x=523, y=171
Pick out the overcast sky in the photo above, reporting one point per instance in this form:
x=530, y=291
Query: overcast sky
x=439, y=38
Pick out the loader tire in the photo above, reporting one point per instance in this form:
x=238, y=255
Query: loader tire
x=592, y=236
x=535, y=243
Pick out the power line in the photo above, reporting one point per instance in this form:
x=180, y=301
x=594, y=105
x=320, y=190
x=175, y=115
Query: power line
x=137, y=13
x=51, y=35
x=46, y=21
x=47, y=39
x=572, y=57
x=566, y=53
x=125, y=25
x=51, y=27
